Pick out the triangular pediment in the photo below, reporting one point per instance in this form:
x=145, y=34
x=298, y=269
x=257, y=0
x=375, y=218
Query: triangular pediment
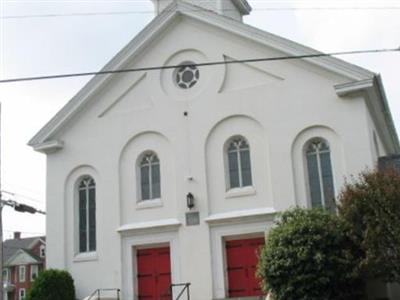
x=127, y=101
x=21, y=257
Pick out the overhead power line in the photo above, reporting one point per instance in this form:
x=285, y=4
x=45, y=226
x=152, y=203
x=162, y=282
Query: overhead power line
x=264, y=9
x=23, y=232
x=22, y=196
x=205, y=64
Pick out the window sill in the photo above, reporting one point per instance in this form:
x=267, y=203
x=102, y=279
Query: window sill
x=87, y=256
x=240, y=192
x=145, y=204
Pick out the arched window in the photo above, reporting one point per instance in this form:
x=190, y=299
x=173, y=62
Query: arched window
x=320, y=177
x=239, y=165
x=87, y=215
x=150, y=184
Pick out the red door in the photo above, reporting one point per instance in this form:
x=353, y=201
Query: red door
x=154, y=274
x=242, y=259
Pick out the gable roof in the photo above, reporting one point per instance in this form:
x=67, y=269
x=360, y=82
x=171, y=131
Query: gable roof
x=23, y=257
x=43, y=141
x=11, y=247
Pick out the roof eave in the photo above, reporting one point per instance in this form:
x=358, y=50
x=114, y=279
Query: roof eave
x=49, y=146
x=68, y=111
x=9, y=263
x=154, y=28
x=387, y=113
x=373, y=87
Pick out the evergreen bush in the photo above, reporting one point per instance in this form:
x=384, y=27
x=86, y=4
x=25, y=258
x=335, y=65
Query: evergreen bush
x=52, y=285
x=308, y=256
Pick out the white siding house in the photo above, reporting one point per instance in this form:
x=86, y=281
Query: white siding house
x=243, y=141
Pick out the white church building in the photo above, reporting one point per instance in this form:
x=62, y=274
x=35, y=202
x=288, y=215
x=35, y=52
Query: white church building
x=175, y=175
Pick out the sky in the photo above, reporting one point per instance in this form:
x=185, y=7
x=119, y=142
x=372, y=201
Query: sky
x=34, y=46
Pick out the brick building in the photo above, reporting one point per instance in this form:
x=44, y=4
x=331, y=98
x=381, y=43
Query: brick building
x=23, y=259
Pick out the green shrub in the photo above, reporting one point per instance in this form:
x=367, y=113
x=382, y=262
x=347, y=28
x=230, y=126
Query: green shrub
x=308, y=256
x=370, y=205
x=52, y=285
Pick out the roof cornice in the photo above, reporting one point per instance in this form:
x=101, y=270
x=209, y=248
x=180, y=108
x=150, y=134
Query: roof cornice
x=154, y=29
x=375, y=97
x=49, y=147
x=117, y=62
x=354, y=86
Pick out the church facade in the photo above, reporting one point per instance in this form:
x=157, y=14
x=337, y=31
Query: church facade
x=174, y=175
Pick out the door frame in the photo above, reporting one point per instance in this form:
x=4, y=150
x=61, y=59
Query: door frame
x=153, y=240
x=237, y=238
x=135, y=264
x=219, y=234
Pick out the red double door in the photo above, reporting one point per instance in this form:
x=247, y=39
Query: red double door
x=154, y=273
x=242, y=259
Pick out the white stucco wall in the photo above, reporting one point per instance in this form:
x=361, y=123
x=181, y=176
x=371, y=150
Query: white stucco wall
x=277, y=106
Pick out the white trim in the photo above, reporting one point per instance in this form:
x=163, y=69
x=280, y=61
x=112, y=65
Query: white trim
x=166, y=224
x=32, y=267
x=241, y=215
x=19, y=294
x=20, y=277
x=128, y=53
x=42, y=251
x=130, y=243
x=152, y=203
x=13, y=261
x=240, y=192
x=148, y=34
x=354, y=86
x=49, y=147
x=85, y=256
x=375, y=98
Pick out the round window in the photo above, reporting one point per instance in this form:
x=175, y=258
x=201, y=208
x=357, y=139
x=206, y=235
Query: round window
x=187, y=75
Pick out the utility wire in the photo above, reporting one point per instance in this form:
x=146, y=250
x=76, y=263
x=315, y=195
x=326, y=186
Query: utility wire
x=24, y=232
x=90, y=14
x=22, y=196
x=214, y=63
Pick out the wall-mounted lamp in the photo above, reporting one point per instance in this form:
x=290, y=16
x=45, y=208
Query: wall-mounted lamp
x=190, y=200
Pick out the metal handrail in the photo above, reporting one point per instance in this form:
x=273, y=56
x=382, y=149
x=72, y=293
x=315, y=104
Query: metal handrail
x=98, y=293
x=186, y=288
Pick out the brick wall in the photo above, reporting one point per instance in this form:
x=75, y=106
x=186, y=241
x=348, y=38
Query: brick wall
x=27, y=283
